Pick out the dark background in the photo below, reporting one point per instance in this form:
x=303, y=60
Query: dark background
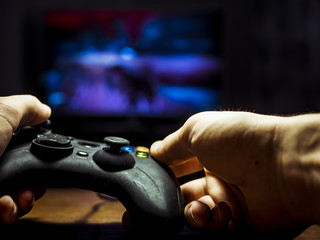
x=271, y=55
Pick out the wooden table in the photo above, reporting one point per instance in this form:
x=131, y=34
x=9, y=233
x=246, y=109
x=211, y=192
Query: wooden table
x=80, y=214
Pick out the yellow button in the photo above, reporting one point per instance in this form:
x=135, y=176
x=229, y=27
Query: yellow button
x=142, y=149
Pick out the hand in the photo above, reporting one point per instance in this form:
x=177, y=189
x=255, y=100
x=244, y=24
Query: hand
x=254, y=175
x=15, y=111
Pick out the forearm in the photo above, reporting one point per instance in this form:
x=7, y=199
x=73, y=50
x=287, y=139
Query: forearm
x=299, y=138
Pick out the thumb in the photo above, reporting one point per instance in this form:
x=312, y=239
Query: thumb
x=173, y=149
x=19, y=110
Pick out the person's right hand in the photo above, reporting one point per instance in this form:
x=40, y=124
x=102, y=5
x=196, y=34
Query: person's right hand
x=261, y=171
x=16, y=111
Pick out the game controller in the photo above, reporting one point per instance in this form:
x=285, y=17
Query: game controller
x=147, y=189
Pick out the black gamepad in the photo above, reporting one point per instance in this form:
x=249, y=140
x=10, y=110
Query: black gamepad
x=147, y=189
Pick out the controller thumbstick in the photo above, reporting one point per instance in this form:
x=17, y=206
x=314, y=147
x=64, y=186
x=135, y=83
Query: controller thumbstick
x=112, y=158
x=115, y=143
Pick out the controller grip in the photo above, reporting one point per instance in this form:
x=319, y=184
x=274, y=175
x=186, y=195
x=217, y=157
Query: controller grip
x=153, y=207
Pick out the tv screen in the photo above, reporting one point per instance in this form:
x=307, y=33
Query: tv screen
x=145, y=63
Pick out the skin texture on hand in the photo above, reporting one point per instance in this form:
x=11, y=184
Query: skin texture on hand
x=257, y=169
x=16, y=111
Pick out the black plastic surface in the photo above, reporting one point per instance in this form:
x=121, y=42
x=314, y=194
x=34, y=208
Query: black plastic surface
x=147, y=189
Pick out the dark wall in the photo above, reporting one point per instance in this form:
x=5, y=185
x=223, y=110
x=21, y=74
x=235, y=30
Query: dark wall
x=286, y=56
x=11, y=57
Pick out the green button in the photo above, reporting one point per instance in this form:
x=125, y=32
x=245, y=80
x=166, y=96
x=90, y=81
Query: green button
x=142, y=154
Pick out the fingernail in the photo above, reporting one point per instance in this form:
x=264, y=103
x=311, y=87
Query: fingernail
x=155, y=146
x=190, y=212
x=12, y=211
x=46, y=108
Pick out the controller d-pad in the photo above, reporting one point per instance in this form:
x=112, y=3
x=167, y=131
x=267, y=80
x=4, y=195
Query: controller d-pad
x=50, y=146
x=53, y=140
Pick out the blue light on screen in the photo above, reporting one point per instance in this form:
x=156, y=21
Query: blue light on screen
x=197, y=98
x=56, y=99
x=127, y=62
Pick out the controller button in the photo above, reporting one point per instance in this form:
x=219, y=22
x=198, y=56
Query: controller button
x=88, y=144
x=115, y=143
x=129, y=149
x=142, y=152
x=143, y=149
x=82, y=154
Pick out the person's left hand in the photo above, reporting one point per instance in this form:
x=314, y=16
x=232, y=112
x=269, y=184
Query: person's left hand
x=16, y=111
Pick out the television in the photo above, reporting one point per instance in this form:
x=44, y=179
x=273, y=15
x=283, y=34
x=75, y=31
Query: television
x=131, y=72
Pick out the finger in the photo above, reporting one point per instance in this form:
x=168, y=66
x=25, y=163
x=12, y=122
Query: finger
x=33, y=111
x=194, y=190
x=219, y=218
x=186, y=168
x=200, y=216
x=8, y=210
x=220, y=191
x=19, y=110
x=208, y=201
x=178, y=146
x=172, y=150
x=25, y=200
x=126, y=221
x=197, y=215
x=40, y=191
x=23, y=110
